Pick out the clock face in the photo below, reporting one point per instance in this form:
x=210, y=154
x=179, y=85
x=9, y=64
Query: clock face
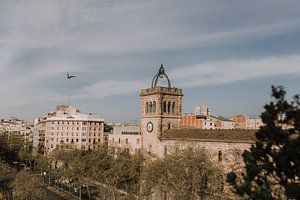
x=149, y=127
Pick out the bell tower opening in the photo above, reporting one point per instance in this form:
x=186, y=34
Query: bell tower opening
x=160, y=110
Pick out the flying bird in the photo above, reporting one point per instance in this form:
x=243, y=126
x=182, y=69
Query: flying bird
x=69, y=77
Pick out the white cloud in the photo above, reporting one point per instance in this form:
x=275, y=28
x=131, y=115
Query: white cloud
x=227, y=71
x=108, y=88
x=126, y=26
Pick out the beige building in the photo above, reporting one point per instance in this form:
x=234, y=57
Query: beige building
x=14, y=126
x=68, y=128
x=245, y=122
x=39, y=131
x=202, y=110
x=126, y=136
x=162, y=132
x=160, y=111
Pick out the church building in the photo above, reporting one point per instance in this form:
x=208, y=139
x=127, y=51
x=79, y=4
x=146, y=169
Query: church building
x=161, y=111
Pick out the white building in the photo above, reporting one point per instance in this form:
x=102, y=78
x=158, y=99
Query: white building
x=68, y=128
x=126, y=136
x=39, y=130
x=254, y=123
x=202, y=110
x=14, y=126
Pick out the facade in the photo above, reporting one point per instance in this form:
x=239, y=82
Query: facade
x=202, y=110
x=68, y=128
x=222, y=122
x=245, y=122
x=39, y=132
x=163, y=131
x=206, y=122
x=126, y=136
x=160, y=111
x=14, y=126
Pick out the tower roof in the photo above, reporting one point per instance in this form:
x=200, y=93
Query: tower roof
x=161, y=74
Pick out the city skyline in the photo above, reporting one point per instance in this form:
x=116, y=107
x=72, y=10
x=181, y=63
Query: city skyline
x=225, y=55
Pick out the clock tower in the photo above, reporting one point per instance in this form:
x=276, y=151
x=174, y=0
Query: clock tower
x=160, y=111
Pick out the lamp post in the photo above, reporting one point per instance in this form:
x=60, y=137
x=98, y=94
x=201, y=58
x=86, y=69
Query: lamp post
x=80, y=192
x=49, y=178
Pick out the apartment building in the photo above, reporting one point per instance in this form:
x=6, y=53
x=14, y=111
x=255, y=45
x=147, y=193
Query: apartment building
x=203, y=119
x=126, y=136
x=68, y=128
x=245, y=122
x=14, y=126
x=39, y=132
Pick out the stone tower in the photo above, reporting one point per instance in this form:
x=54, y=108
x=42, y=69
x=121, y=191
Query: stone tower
x=160, y=110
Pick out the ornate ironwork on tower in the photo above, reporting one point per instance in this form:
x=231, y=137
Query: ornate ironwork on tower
x=161, y=74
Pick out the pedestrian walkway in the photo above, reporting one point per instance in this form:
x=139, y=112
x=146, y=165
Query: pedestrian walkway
x=62, y=195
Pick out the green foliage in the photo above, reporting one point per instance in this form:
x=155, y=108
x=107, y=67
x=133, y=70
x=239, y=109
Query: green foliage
x=28, y=186
x=83, y=167
x=273, y=164
x=7, y=174
x=10, y=145
x=187, y=174
x=124, y=172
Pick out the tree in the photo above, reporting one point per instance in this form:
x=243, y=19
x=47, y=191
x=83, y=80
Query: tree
x=273, y=163
x=28, y=186
x=124, y=173
x=186, y=174
x=7, y=175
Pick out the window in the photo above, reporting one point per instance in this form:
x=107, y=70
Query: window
x=150, y=107
x=169, y=126
x=166, y=151
x=126, y=141
x=220, y=155
x=169, y=107
x=83, y=140
x=83, y=123
x=119, y=140
x=165, y=106
x=173, y=107
x=154, y=107
x=147, y=107
x=149, y=148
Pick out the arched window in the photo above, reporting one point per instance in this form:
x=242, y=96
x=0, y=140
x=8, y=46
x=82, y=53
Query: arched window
x=169, y=107
x=154, y=107
x=150, y=107
x=173, y=107
x=220, y=156
x=169, y=126
x=149, y=148
x=165, y=106
x=147, y=107
x=166, y=151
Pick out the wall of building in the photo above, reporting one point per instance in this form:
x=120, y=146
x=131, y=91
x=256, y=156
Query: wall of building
x=126, y=136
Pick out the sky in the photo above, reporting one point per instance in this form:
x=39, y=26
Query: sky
x=225, y=54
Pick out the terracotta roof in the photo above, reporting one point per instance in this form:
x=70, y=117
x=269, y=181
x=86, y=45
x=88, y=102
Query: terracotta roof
x=241, y=135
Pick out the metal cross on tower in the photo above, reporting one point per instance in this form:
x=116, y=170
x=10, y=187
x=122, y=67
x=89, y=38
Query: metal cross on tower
x=161, y=74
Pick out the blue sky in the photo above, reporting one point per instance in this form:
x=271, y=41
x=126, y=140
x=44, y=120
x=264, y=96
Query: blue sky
x=225, y=54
